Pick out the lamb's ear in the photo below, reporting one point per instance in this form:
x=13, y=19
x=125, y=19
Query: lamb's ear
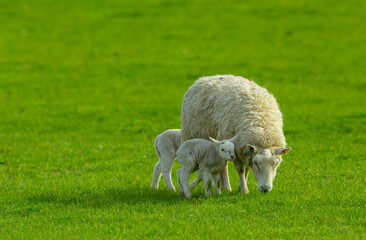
x=233, y=139
x=280, y=151
x=251, y=148
x=217, y=143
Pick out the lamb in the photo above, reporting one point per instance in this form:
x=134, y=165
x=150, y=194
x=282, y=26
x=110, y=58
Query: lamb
x=223, y=105
x=209, y=158
x=166, y=146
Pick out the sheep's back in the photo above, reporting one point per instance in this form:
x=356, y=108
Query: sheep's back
x=224, y=105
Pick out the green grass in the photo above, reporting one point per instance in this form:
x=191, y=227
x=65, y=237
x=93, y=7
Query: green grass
x=86, y=86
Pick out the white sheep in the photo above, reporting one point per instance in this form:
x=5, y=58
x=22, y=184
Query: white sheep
x=166, y=146
x=209, y=158
x=224, y=105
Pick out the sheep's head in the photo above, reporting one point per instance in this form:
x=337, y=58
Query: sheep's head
x=265, y=163
x=226, y=148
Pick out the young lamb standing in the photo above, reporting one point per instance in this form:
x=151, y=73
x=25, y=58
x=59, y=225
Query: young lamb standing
x=166, y=145
x=209, y=158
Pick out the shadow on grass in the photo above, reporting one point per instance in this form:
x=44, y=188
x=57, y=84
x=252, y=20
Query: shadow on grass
x=114, y=196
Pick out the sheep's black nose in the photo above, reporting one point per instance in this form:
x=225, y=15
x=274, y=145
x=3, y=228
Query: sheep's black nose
x=264, y=189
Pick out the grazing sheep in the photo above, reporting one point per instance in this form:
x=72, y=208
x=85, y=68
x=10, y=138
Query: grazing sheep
x=224, y=105
x=209, y=158
x=166, y=145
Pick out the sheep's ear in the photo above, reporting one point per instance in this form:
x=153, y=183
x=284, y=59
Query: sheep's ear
x=251, y=148
x=217, y=143
x=233, y=139
x=280, y=151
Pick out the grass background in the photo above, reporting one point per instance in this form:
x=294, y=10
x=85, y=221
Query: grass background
x=86, y=86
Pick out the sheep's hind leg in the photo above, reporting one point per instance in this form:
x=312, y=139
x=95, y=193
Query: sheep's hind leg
x=156, y=176
x=167, y=161
x=196, y=181
x=168, y=179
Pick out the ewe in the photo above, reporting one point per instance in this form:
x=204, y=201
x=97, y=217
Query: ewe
x=221, y=106
x=210, y=158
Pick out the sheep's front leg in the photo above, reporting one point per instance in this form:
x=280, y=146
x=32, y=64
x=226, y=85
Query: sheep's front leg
x=206, y=177
x=246, y=174
x=184, y=178
x=225, y=179
x=241, y=169
x=216, y=180
x=179, y=171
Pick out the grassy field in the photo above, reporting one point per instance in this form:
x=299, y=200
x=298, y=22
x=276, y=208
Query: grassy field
x=86, y=86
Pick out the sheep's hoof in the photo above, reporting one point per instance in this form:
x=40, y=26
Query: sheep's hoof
x=172, y=189
x=227, y=189
x=245, y=190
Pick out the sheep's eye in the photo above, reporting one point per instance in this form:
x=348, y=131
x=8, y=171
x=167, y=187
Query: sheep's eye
x=255, y=163
x=223, y=150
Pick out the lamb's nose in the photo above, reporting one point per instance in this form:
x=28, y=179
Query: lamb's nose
x=232, y=157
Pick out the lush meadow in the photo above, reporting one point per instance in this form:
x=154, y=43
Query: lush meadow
x=86, y=86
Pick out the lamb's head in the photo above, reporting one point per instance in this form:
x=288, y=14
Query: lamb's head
x=226, y=148
x=264, y=164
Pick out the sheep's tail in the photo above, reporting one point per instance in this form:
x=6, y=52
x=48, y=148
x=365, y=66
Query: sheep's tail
x=156, y=147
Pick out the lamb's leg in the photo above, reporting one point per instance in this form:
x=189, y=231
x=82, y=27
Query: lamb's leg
x=184, y=178
x=167, y=161
x=179, y=171
x=206, y=177
x=240, y=168
x=225, y=179
x=216, y=180
x=196, y=181
x=156, y=176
